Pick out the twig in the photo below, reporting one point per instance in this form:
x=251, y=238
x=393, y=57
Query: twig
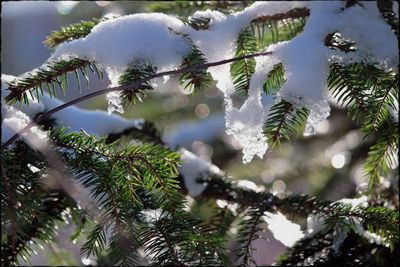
x=134, y=85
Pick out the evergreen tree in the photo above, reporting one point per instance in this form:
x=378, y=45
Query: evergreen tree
x=127, y=190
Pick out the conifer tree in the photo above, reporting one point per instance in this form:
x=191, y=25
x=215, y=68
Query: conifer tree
x=127, y=191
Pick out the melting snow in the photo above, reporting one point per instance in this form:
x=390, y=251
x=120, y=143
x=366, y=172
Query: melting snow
x=159, y=39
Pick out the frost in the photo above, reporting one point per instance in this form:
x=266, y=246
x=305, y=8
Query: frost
x=283, y=230
x=194, y=168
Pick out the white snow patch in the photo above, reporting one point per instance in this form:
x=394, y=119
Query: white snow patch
x=246, y=123
x=14, y=121
x=318, y=112
x=133, y=39
x=186, y=132
x=248, y=185
x=92, y=121
x=283, y=230
x=315, y=224
x=194, y=168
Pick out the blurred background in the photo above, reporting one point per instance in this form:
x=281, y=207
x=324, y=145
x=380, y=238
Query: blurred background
x=327, y=165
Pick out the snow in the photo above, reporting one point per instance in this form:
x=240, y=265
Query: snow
x=133, y=39
x=315, y=224
x=150, y=216
x=214, y=16
x=194, y=168
x=14, y=121
x=225, y=29
x=247, y=185
x=365, y=20
x=92, y=121
x=160, y=40
x=186, y=132
x=318, y=113
x=246, y=123
x=283, y=230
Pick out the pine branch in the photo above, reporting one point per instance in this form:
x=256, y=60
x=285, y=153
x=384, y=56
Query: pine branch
x=292, y=14
x=35, y=209
x=151, y=166
x=347, y=88
x=242, y=70
x=221, y=220
x=302, y=206
x=180, y=240
x=199, y=23
x=335, y=41
x=355, y=250
x=283, y=120
x=247, y=232
x=279, y=27
x=50, y=75
x=385, y=94
x=366, y=91
x=198, y=80
x=306, y=249
x=275, y=80
x=72, y=32
x=369, y=93
x=131, y=86
x=132, y=74
x=145, y=131
x=382, y=154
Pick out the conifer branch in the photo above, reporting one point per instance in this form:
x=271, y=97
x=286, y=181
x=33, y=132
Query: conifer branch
x=133, y=86
x=242, y=70
x=382, y=154
x=146, y=131
x=275, y=80
x=283, y=120
x=48, y=75
x=291, y=14
x=198, y=80
x=247, y=233
x=303, y=206
x=72, y=32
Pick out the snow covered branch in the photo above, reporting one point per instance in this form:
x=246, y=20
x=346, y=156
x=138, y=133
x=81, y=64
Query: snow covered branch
x=135, y=85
